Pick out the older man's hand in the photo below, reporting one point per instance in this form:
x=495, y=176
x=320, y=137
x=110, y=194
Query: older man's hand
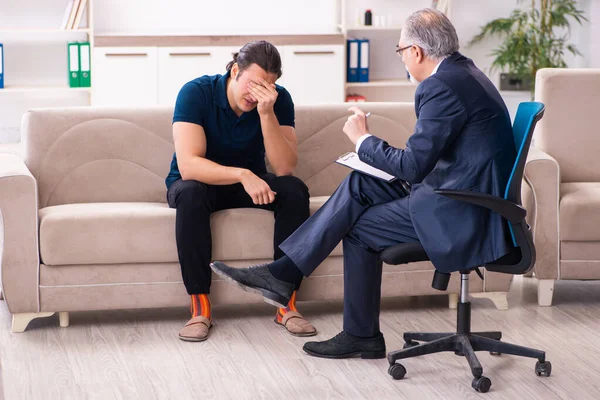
x=356, y=126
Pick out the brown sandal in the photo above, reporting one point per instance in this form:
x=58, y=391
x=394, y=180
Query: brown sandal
x=295, y=324
x=196, y=330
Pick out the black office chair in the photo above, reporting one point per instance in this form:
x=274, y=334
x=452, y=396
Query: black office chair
x=519, y=261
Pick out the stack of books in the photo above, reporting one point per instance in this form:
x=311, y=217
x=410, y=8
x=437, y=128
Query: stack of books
x=73, y=14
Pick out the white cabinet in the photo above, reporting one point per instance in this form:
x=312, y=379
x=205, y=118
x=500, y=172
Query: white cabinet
x=178, y=65
x=314, y=74
x=142, y=76
x=125, y=76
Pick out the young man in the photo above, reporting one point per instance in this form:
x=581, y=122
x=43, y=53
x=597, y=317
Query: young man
x=462, y=140
x=223, y=126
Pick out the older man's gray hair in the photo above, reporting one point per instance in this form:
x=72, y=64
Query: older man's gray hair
x=433, y=32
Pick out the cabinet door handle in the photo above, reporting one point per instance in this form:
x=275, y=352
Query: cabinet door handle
x=191, y=54
x=126, y=54
x=317, y=53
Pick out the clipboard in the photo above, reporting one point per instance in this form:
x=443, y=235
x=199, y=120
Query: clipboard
x=351, y=160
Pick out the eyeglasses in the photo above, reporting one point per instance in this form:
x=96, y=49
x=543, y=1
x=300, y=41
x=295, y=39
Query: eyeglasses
x=399, y=50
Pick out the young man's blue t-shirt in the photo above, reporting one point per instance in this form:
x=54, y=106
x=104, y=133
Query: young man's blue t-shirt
x=231, y=141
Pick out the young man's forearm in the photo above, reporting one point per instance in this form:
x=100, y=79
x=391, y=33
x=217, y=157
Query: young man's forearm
x=211, y=173
x=282, y=153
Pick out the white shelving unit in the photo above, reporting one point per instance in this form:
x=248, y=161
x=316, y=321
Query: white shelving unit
x=44, y=31
x=356, y=23
x=381, y=83
x=35, y=62
x=388, y=80
x=359, y=28
x=26, y=89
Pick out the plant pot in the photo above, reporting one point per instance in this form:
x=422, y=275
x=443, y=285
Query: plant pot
x=511, y=82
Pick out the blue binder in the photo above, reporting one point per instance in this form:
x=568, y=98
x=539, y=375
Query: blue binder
x=363, y=65
x=1, y=66
x=352, y=60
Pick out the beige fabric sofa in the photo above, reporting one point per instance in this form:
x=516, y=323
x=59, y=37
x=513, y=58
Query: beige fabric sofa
x=87, y=227
x=563, y=176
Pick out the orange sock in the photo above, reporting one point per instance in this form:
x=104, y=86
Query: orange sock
x=200, y=306
x=290, y=307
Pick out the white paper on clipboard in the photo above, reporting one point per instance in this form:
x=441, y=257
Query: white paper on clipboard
x=351, y=160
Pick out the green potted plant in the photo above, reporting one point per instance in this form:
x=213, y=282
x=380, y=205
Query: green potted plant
x=534, y=36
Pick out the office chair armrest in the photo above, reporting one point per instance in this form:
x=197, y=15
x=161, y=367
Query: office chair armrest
x=510, y=211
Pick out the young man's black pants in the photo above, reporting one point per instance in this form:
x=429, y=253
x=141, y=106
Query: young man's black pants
x=196, y=201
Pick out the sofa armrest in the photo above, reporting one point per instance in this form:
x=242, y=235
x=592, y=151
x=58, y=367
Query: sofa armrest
x=19, y=235
x=542, y=176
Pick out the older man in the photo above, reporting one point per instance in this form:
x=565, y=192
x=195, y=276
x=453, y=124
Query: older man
x=462, y=141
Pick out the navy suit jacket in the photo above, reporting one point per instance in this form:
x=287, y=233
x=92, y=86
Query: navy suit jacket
x=463, y=141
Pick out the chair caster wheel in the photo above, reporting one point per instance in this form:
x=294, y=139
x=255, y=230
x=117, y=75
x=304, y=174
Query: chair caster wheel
x=412, y=343
x=543, y=369
x=495, y=353
x=397, y=371
x=481, y=384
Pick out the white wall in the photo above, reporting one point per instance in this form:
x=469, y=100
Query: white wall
x=468, y=19
x=42, y=59
x=593, y=50
x=210, y=17
x=469, y=16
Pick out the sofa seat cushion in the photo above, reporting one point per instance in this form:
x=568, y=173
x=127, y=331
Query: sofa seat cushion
x=119, y=233
x=317, y=202
x=107, y=233
x=580, y=211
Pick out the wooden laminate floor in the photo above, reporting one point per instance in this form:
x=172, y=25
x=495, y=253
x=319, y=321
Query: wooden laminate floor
x=136, y=354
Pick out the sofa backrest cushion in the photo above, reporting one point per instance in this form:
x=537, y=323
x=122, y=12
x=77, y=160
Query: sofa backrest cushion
x=321, y=139
x=100, y=154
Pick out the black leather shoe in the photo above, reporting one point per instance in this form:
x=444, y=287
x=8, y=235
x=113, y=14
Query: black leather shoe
x=345, y=345
x=257, y=279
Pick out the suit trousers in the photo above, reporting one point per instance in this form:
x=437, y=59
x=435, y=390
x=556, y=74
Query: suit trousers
x=196, y=201
x=368, y=215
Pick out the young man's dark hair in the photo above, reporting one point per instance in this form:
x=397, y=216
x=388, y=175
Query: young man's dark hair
x=261, y=53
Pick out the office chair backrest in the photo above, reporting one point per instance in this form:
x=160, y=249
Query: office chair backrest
x=528, y=114
x=522, y=259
